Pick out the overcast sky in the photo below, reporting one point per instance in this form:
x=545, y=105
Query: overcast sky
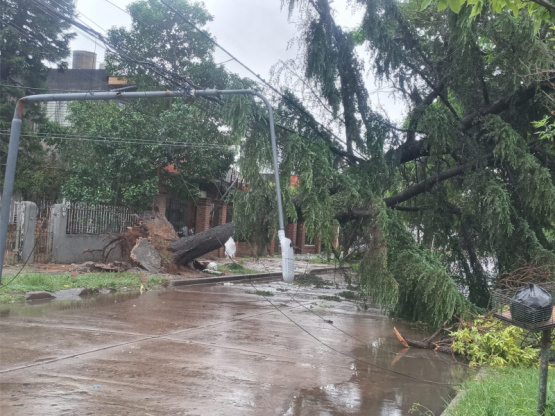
x=257, y=32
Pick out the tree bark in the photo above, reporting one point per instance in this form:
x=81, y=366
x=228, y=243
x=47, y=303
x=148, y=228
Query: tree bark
x=186, y=249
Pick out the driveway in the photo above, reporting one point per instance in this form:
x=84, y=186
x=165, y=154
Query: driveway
x=215, y=350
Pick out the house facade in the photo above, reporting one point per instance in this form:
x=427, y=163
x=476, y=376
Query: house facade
x=187, y=217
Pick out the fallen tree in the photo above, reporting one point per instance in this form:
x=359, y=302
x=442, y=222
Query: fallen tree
x=186, y=249
x=156, y=230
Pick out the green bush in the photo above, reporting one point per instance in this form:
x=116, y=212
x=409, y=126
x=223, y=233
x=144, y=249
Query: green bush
x=489, y=342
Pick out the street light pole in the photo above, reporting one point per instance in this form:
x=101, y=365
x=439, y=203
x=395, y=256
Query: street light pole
x=288, y=270
x=287, y=251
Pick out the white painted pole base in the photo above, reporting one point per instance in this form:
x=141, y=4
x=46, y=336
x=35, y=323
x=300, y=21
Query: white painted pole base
x=287, y=257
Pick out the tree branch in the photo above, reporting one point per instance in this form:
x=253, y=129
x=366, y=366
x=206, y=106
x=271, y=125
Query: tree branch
x=417, y=189
x=516, y=99
x=426, y=185
x=545, y=3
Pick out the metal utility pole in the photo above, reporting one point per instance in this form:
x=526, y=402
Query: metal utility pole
x=285, y=243
x=544, y=367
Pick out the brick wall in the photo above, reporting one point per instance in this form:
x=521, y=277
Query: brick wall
x=202, y=222
x=301, y=242
x=291, y=232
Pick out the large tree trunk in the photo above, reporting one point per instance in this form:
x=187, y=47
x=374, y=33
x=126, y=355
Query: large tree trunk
x=186, y=249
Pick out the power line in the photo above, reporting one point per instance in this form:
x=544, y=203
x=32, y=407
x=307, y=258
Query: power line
x=348, y=355
x=289, y=101
x=313, y=312
x=115, y=140
x=159, y=71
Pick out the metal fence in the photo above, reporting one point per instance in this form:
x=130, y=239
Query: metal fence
x=99, y=219
x=177, y=213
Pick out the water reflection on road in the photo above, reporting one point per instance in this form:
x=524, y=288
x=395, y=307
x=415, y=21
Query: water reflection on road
x=216, y=350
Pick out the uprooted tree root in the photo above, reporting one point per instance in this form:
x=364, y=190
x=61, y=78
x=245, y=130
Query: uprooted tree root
x=156, y=229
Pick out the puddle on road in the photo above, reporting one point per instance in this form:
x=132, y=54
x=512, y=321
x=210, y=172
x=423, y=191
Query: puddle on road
x=65, y=299
x=379, y=385
x=377, y=392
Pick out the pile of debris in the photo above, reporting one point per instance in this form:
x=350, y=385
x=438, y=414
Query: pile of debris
x=92, y=267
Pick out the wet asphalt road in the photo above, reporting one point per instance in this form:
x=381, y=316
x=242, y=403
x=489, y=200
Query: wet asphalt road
x=214, y=350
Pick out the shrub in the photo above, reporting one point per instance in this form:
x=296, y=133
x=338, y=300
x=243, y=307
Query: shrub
x=490, y=342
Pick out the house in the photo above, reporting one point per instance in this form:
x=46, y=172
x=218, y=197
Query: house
x=188, y=217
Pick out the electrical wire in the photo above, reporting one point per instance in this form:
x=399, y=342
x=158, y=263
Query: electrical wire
x=161, y=72
x=207, y=36
x=319, y=316
x=348, y=355
x=111, y=140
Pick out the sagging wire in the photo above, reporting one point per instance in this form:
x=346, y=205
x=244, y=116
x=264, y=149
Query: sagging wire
x=348, y=355
x=116, y=140
x=327, y=320
x=4, y=286
x=284, y=97
x=249, y=281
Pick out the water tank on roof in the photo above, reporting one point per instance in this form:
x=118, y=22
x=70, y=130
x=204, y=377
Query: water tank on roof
x=84, y=60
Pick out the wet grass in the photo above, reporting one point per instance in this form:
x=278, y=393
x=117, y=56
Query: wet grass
x=310, y=279
x=348, y=294
x=332, y=298
x=261, y=293
x=316, y=260
x=14, y=291
x=237, y=267
x=505, y=391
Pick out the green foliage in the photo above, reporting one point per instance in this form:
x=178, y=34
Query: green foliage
x=309, y=279
x=124, y=170
x=438, y=123
x=408, y=281
x=348, y=294
x=143, y=138
x=333, y=298
x=536, y=10
x=238, y=268
x=546, y=129
x=504, y=391
x=29, y=40
x=490, y=342
x=265, y=293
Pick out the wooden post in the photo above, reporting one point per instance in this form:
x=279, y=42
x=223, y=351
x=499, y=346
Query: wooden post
x=544, y=365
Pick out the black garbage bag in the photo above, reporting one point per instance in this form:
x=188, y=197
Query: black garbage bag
x=531, y=304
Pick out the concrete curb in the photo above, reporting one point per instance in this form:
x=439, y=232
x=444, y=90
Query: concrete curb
x=234, y=278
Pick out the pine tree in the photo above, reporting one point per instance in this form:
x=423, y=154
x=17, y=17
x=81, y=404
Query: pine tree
x=460, y=193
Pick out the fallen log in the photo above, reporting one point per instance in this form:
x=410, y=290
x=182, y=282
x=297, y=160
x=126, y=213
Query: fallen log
x=187, y=249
